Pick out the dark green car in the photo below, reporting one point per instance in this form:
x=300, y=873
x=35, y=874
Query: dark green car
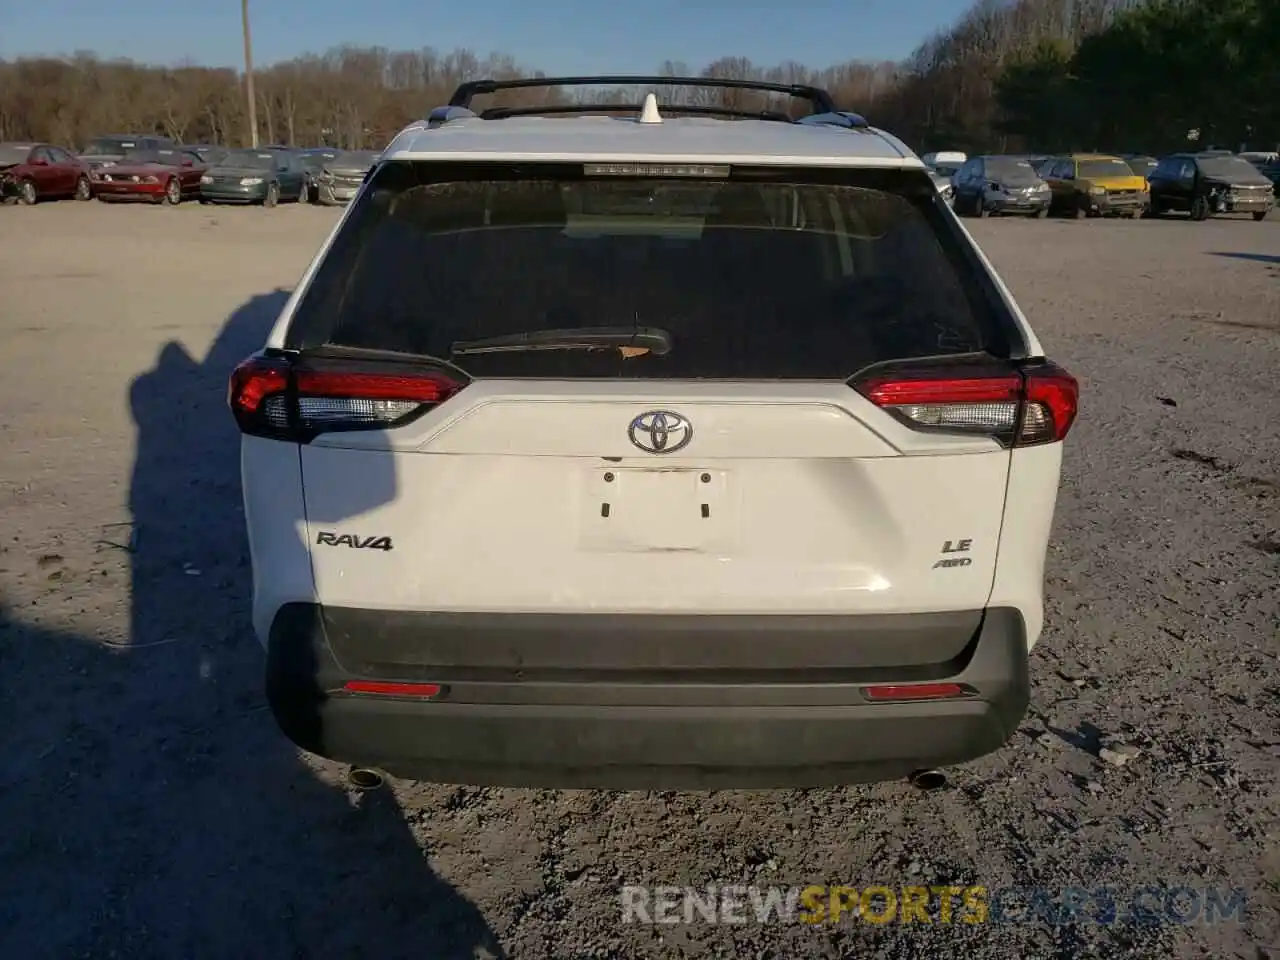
x=260, y=176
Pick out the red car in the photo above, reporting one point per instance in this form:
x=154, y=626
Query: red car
x=40, y=171
x=161, y=175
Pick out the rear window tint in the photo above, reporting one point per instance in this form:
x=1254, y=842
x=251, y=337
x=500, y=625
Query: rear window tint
x=748, y=279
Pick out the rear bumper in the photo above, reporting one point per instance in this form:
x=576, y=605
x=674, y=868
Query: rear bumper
x=600, y=726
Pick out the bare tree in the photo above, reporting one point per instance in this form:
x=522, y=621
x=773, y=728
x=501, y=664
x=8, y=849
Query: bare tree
x=945, y=94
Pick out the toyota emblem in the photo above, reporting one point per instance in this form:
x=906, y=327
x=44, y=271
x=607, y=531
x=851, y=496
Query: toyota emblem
x=660, y=431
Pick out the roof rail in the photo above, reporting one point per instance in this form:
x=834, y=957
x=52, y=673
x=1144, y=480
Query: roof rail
x=837, y=118
x=442, y=115
x=821, y=99
x=668, y=109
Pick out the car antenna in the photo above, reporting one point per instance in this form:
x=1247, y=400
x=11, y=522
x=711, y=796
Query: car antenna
x=649, y=113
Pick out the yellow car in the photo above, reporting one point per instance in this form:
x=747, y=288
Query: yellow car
x=1094, y=185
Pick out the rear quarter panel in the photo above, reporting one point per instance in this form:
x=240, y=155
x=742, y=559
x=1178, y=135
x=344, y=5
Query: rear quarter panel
x=271, y=478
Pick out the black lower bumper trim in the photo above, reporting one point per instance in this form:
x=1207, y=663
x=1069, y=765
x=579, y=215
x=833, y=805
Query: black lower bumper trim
x=643, y=735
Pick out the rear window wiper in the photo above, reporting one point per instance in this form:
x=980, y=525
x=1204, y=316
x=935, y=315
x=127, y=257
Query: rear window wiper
x=629, y=341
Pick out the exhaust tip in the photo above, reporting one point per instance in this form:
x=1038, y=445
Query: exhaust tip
x=928, y=780
x=365, y=778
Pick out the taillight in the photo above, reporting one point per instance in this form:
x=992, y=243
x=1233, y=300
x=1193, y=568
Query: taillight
x=1020, y=408
x=274, y=398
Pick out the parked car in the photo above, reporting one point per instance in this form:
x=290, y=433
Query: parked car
x=1094, y=185
x=163, y=175
x=313, y=161
x=946, y=162
x=789, y=531
x=108, y=150
x=256, y=176
x=32, y=172
x=339, y=179
x=997, y=184
x=1212, y=182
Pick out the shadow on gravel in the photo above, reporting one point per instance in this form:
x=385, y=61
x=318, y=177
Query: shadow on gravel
x=1256, y=257
x=151, y=807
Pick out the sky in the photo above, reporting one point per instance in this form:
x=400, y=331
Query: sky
x=556, y=36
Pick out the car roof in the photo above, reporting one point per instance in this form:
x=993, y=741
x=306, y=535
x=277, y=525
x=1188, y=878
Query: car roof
x=1201, y=154
x=1093, y=156
x=626, y=139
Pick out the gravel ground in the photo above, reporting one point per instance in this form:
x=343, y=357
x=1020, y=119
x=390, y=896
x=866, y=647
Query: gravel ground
x=151, y=808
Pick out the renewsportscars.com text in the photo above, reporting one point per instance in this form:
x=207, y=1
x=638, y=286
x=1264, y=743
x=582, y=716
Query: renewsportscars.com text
x=820, y=904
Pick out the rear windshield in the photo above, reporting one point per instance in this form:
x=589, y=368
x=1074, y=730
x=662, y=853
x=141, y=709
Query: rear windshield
x=745, y=278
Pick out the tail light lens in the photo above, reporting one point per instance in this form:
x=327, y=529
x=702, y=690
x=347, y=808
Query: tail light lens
x=1018, y=407
x=275, y=398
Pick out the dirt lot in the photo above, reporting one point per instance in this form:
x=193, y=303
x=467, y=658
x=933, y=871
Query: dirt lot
x=150, y=808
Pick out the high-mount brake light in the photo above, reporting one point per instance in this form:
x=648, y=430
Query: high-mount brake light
x=271, y=398
x=1033, y=406
x=655, y=170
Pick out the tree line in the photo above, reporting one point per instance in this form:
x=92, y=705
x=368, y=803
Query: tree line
x=1141, y=75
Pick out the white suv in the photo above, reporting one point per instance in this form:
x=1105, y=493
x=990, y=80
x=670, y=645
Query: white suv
x=649, y=451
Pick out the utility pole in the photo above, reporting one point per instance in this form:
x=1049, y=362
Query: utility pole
x=248, y=75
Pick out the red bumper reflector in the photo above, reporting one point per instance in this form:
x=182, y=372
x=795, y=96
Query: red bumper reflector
x=915, y=691
x=425, y=690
